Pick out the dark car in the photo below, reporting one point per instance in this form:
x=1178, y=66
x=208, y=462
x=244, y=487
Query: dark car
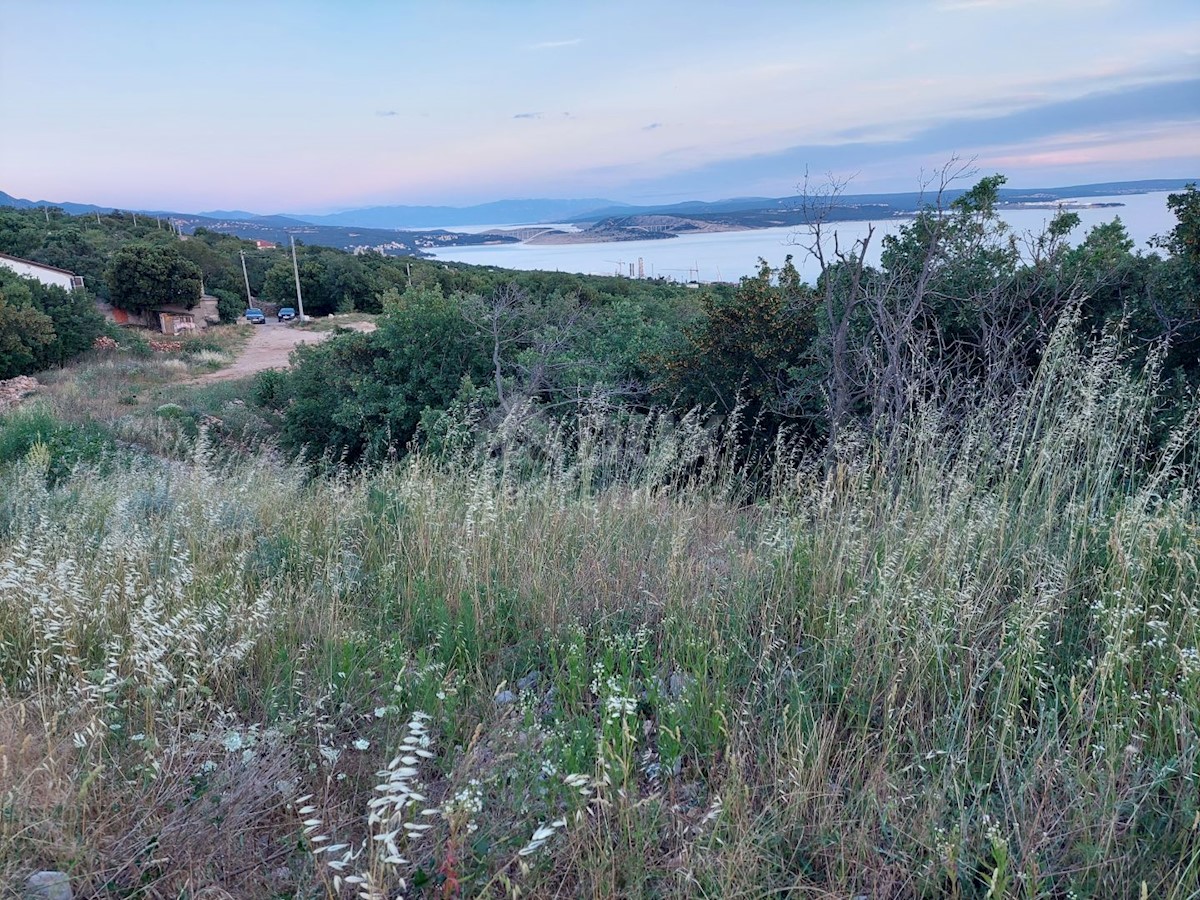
x=255, y=317
x=286, y=314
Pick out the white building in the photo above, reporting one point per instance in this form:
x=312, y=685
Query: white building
x=40, y=272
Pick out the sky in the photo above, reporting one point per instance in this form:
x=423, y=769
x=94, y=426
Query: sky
x=322, y=106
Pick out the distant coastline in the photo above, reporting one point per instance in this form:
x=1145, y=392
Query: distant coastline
x=726, y=254
x=664, y=227
x=390, y=230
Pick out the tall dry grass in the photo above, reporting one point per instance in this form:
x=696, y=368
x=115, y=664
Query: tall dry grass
x=599, y=666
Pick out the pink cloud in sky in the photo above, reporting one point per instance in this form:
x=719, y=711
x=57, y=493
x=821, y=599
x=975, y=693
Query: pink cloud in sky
x=1178, y=142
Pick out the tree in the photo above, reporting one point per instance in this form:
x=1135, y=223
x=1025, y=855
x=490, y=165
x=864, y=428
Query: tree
x=74, y=323
x=1184, y=239
x=24, y=331
x=229, y=304
x=361, y=396
x=749, y=347
x=144, y=276
x=331, y=281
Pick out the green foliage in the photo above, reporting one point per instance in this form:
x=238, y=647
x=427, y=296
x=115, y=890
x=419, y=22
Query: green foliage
x=65, y=444
x=144, y=276
x=230, y=305
x=331, y=282
x=25, y=332
x=1184, y=238
x=362, y=395
x=43, y=325
x=80, y=244
x=219, y=257
x=747, y=344
x=956, y=302
x=955, y=257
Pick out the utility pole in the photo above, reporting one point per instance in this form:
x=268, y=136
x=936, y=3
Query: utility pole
x=249, y=299
x=46, y=211
x=296, y=272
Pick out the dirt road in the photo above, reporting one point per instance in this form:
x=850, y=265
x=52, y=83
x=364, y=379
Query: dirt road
x=269, y=348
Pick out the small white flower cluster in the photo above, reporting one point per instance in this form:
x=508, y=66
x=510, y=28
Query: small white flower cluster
x=991, y=830
x=465, y=804
x=617, y=705
x=1189, y=661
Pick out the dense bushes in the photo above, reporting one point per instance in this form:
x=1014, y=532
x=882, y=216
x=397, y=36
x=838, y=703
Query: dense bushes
x=954, y=311
x=956, y=305
x=144, y=276
x=43, y=325
x=363, y=396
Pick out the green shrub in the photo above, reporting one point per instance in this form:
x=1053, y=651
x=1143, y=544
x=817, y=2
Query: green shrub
x=134, y=341
x=69, y=444
x=269, y=387
x=42, y=326
x=229, y=304
x=199, y=344
x=170, y=411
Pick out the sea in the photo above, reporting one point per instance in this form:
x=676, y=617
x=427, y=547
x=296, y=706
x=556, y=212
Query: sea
x=730, y=255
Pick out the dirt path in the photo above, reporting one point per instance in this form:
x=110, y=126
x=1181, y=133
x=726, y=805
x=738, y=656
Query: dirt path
x=269, y=349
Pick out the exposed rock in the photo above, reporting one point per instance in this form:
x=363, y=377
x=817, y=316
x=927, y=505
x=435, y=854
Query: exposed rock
x=677, y=684
x=48, y=886
x=529, y=682
x=14, y=389
x=505, y=697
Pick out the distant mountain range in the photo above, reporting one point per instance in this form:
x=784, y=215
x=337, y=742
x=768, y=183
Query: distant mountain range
x=74, y=209
x=501, y=212
x=412, y=230
x=763, y=211
x=531, y=212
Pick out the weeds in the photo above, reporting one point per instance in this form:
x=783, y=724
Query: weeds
x=596, y=665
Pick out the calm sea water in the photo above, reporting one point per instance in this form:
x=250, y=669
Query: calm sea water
x=729, y=255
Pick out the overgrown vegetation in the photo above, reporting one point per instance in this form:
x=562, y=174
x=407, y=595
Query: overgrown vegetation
x=908, y=606
x=957, y=310
x=42, y=325
x=969, y=669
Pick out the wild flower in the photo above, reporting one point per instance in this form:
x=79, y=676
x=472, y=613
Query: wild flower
x=618, y=705
x=1189, y=661
x=464, y=806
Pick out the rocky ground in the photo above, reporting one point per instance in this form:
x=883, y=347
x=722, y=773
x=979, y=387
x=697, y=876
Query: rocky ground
x=16, y=389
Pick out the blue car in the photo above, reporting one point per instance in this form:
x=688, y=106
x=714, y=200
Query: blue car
x=286, y=314
x=255, y=317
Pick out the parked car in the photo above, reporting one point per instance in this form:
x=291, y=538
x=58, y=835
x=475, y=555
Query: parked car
x=255, y=317
x=286, y=314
